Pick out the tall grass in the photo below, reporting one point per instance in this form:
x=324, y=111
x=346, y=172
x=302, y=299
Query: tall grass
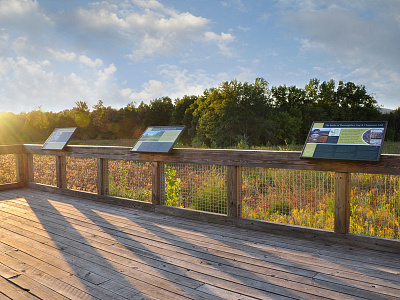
x=296, y=197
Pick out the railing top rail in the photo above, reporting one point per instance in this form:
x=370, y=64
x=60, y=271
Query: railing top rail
x=11, y=149
x=389, y=163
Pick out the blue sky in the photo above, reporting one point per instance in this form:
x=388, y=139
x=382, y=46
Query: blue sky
x=54, y=53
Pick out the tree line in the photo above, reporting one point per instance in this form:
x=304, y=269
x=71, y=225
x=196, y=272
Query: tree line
x=234, y=113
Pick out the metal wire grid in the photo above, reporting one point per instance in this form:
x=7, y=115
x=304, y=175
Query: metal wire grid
x=8, y=168
x=297, y=197
x=130, y=179
x=82, y=174
x=194, y=186
x=375, y=205
x=44, y=169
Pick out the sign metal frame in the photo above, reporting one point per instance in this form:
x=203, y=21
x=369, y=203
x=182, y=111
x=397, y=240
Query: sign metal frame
x=345, y=140
x=158, y=139
x=59, y=138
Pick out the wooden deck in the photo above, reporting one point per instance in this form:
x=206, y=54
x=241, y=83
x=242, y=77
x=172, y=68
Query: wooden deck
x=60, y=247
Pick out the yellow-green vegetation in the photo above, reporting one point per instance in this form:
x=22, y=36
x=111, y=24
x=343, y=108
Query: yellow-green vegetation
x=44, y=169
x=130, y=179
x=8, y=172
x=297, y=197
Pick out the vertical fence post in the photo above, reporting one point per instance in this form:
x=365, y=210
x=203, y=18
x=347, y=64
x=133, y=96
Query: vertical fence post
x=102, y=176
x=28, y=167
x=61, y=171
x=157, y=170
x=20, y=168
x=234, y=187
x=342, y=202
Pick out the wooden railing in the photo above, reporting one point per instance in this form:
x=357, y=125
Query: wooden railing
x=234, y=160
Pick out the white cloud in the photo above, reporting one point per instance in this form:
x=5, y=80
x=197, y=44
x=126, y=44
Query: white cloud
x=27, y=84
x=54, y=59
x=17, y=7
x=62, y=55
x=89, y=62
x=23, y=15
x=147, y=28
x=105, y=76
x=362, y=36
x=151, y=90
x=222, y=41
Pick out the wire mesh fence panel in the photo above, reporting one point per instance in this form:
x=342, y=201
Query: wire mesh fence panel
x=82, y=174
x=297, y=197
x=130, y=179
x=44, y=169
x=8, y=168
x=199, y=187
x=375, y=205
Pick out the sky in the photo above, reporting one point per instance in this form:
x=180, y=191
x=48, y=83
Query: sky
x=55, y=53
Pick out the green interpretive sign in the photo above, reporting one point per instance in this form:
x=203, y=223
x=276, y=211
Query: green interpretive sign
x=345, y=140
x=59, y=138
x=158, y=139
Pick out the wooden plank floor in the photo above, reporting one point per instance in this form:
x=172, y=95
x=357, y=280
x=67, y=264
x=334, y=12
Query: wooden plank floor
x=59, y=247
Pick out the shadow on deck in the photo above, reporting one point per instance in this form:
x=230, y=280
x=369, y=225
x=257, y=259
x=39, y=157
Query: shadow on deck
x=61, y=247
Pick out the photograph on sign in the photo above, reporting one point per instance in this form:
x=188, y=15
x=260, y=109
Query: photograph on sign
x=345, y=140
x=159, y=139
x=59, y=138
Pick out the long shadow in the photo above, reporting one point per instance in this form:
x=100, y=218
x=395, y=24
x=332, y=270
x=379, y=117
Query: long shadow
x=85, y=260
x=242, y=277
x=174, y=279
x=326, y=281
x=330, y=283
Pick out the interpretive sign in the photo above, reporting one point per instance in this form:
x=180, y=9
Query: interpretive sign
x=345, y=140
x=158, y=139
x=59, y=138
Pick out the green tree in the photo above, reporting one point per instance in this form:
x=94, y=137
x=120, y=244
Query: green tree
x=81, y=115
x=183, y=115
x=355, y=103
x=233, y=113
x=287, y=125
x=160, y=112
x=36, y=125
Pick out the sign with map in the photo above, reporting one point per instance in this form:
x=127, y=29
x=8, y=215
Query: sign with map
x=158, y=139
x=59, y=138
x=345, y=140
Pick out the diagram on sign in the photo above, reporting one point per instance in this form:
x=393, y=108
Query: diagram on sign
x=345, y=140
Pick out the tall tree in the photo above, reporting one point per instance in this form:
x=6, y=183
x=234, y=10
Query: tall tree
x=232, y=113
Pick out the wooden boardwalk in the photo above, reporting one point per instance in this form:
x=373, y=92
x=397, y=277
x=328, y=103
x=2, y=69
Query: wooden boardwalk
x=60, y=247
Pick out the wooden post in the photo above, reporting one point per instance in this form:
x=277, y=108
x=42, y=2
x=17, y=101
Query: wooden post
x=61, y=171
x=234, y=187
x=20, y=168
x=28, y=168
x=342, y=203
x=158, y=169
x=102, y=176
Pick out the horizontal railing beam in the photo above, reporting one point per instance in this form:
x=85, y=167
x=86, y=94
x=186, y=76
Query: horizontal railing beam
x=11, y=149
x=235, y=160
x=389, y=163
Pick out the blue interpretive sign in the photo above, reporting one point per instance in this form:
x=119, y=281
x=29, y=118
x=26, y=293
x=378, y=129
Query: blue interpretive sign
x=59, y=138
x=345, y=140
x=158, y=139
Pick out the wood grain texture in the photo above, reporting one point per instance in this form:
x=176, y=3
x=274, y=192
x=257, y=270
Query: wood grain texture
x=389, y=163
x=61, y=171
x=102, y=176
x=234, y=159
x=157, y=170
x=342, y=203
x=11, y=149
x=234, y=184
x=62, y=247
